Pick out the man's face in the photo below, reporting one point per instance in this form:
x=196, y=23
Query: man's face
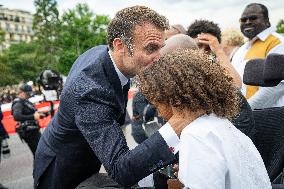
x=147, y=43
x=23, y=95
x=252, y=21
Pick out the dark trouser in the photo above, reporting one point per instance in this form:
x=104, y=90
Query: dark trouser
x=31, y=138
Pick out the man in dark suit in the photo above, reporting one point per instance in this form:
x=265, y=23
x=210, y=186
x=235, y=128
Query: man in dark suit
x=85, y=132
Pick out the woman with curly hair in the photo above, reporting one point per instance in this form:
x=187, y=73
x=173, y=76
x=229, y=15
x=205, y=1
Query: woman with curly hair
x=212, y=152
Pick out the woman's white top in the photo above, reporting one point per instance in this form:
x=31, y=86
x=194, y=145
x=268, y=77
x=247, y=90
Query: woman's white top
x=213, y=154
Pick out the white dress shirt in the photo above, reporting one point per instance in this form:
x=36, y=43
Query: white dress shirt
x=213, y=154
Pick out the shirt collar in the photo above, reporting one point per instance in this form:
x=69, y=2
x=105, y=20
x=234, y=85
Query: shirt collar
x=122, y=78
x=265, y=33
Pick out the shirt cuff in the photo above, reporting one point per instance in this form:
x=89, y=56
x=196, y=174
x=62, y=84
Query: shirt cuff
x=170, y=136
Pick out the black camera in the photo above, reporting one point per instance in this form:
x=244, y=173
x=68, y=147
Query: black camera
x=52, y=84
x=50, y=80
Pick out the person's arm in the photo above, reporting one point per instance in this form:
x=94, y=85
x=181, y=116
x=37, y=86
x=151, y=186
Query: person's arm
x=266, y=97
x=201, y=165
x=221, y=56
x=18, y=115
x=96, y=119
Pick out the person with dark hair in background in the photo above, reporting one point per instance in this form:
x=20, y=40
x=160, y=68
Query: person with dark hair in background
x=204, y=26
x=263, y=40
x=25, y=113
x=3, y=137
x=85, y=132
x=208, y=37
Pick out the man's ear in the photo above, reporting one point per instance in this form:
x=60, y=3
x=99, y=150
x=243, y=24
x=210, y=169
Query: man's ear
x=118, y=45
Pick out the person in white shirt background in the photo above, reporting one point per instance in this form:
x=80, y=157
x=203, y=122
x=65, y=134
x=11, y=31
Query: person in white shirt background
x=263, y=40
x=212, y=152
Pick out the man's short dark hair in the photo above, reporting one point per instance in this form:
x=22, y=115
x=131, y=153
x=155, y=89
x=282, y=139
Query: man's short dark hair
x=204, y=26
x=263, y=8
x=124, y=22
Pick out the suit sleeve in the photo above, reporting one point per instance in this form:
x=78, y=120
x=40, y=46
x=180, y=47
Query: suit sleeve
x=96, y=120
x=266, y=97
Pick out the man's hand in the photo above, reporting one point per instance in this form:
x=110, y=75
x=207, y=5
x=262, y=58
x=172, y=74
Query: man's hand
x=176, y=169
x=211, y=41
x=223, y=59
x=174, y=184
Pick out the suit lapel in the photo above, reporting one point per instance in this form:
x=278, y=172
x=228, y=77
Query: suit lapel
x=112, y=75
x=114, y=80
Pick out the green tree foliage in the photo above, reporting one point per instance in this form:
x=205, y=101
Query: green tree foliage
x=2, y=36
x=58, y=42
x=45, y=25
x=5, y=77
x=80, y=30
x=45, y=20
x=280, y=26
x=21, y=61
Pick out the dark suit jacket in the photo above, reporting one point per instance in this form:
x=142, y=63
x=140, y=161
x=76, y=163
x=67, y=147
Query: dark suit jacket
x=244, y=121
x=86, y=131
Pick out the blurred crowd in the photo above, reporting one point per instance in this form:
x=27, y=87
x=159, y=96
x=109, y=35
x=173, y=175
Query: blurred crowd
x=9, y=93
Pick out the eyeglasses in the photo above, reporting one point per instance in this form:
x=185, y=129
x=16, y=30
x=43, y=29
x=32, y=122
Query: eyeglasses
x=251, y=18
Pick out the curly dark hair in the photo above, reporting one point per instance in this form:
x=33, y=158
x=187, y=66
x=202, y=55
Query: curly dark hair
x=204, y=26
x=190, y=79
x=123, y=24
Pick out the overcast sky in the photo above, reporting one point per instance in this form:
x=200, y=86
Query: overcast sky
x=225, y=13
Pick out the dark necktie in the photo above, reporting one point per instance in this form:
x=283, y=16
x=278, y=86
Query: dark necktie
x=126, y=88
